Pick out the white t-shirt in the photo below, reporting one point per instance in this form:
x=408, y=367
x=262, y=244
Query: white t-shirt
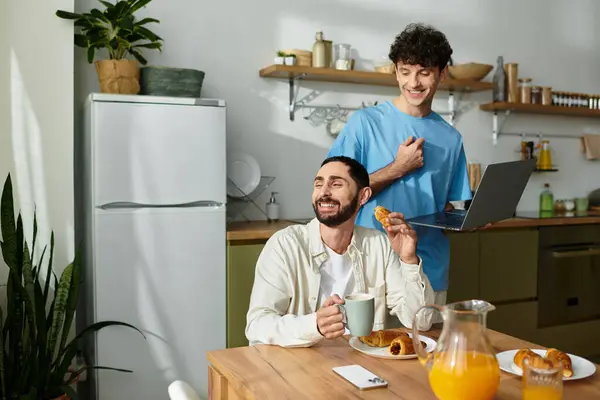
x=336, y=276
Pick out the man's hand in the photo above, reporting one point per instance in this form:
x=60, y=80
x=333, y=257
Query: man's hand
x=409, y=156
x=402, y=238
x=329, y=318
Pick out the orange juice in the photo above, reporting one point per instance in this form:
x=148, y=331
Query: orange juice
x=541, y=393
x=464, y=375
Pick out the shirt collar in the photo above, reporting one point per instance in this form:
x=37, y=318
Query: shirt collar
x=316, y=245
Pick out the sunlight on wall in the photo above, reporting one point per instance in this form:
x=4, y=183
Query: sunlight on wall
x=28, y=182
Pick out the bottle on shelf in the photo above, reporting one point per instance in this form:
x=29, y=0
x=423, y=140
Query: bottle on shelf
x=546, y=200
x=499, y=80
x=273, y=208
x=319, y=51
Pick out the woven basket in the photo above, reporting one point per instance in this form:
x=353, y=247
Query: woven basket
x=118, y=76
x=469, y=71
x=175, y=82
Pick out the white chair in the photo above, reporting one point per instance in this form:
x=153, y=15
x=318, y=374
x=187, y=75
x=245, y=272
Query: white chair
x=180, y=390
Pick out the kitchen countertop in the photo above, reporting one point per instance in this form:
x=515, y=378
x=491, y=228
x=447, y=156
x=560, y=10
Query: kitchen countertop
x=262, y=230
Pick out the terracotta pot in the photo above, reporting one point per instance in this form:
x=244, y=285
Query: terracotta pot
x=118, y=76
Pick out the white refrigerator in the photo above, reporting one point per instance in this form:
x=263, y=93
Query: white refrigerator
x=151, y=223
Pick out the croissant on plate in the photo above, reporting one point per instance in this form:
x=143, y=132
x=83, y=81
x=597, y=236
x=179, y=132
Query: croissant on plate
x=558, y=357
x=381, y=214
x=534, y=359
x=380, y=338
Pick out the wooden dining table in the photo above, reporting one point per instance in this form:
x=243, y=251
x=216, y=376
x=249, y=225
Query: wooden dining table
x=264, y=372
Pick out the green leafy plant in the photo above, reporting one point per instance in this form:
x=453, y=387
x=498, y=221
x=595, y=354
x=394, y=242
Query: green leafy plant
x=115, y=29
x=35, y=354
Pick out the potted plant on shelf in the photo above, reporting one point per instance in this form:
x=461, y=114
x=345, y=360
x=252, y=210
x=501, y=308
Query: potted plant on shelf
x=36, y=359
x=117, y=30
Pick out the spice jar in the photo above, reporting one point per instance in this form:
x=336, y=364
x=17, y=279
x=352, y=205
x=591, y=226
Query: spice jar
x=536, y=95
x=525, y=90
x=547, y=95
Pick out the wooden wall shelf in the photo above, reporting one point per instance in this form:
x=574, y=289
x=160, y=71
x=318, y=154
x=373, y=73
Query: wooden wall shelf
x=361, y=77
x=539, y=109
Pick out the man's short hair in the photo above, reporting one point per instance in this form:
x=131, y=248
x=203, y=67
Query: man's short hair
x=357, y=171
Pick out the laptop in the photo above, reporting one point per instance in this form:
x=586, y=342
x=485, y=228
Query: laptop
x=496, y=198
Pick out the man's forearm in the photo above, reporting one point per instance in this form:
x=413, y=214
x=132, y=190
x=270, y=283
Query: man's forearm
x=384, y=177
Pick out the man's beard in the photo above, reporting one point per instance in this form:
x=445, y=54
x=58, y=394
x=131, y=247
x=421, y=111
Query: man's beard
x=343, y=215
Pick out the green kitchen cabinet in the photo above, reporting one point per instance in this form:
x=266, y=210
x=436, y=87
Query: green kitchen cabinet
x=241, y=262
x=508, y=265
x=463, y=280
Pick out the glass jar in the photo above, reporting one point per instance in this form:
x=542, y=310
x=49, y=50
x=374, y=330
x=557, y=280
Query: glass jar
x=536, y=95
x=525, y=90
x=342, y=56
x=547, y=95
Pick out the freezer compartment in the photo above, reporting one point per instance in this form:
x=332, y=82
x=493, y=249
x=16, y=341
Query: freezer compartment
x=162, y=270
x=158, y=153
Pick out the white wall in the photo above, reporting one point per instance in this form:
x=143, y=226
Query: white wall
x=36, y=118
x=231, y=40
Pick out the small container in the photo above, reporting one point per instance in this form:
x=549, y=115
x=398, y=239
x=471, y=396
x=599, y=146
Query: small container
x=525, y=90
x=512, y=73
x=582, y=204
x=342, y=57
x=536, y=95
x=273, y=208
x=547, y=95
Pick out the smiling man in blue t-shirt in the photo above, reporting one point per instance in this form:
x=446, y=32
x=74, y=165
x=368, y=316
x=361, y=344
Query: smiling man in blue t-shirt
x=415, y=159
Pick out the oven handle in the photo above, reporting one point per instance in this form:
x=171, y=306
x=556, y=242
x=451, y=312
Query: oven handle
x=592, y=251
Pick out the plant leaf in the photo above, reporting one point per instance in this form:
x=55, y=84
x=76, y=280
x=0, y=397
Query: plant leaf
x=71, y=304
x=136, y=5
x=70, y=392
x=60, y=302
x=81, y=40
x=49, y=271
x=67, y=15
x=8, y=227
x=35, y=231
x=90, y=54
x=138, y=56
x=75, y=374
x=2, y=368
x=146, y=21
x=154, y=45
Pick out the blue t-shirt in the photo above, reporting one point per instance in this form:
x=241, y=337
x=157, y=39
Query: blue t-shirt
x=372, y=136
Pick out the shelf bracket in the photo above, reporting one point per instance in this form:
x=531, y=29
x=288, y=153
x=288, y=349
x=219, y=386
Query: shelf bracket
x=454, y=106
x=294, y=89
x=497, y=126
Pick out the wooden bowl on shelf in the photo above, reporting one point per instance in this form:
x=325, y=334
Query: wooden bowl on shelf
x=469, y=71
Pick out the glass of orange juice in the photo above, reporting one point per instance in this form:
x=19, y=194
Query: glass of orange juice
x=542, y=383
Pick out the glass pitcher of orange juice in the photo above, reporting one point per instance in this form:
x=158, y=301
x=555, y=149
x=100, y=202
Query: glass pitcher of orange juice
x=463, y=365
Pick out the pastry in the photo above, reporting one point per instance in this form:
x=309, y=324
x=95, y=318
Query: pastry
x=558, y=357
x=403, y=345
x=380, y=338
x=381, y=214
x=521, y=355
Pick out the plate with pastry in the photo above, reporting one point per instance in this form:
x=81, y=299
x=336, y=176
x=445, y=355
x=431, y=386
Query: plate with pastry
x=574, y=367
x=390, y=344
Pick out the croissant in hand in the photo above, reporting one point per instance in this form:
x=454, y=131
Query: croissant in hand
x=558, y=357
x=381, y=213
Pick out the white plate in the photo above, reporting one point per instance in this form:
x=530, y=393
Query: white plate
x=382, y=352
x=244, y=171
x=582, y=368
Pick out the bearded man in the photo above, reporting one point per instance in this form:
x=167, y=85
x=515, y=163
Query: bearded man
x=304, y=271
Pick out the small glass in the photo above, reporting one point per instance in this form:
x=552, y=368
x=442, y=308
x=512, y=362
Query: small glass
x=542, y=383
x=342, y=56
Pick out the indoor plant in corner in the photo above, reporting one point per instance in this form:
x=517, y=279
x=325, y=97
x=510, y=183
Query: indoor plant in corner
x=35, y=356
x=117, y=30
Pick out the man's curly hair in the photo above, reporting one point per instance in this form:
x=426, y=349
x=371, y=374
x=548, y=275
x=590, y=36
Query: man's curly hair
x=422, y=45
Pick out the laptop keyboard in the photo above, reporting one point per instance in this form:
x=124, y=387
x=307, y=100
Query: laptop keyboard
x=453, y=218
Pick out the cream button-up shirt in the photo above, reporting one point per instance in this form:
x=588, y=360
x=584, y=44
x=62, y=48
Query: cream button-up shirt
x=285, y=295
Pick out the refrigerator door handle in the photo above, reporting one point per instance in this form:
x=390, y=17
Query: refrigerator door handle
x=119, y=205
